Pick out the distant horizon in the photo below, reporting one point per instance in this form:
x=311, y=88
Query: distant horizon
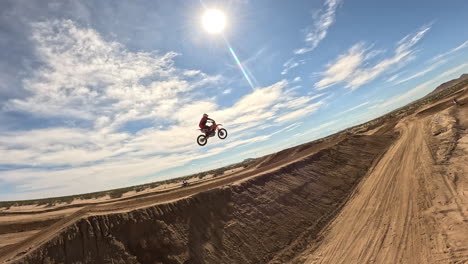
x=238, y=162
x=100, y=95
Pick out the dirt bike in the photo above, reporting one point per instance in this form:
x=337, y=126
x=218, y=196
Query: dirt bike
x=203, y=139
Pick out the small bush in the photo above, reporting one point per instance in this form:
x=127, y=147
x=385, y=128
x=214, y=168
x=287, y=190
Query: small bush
x=115, y=195
x=218, y=173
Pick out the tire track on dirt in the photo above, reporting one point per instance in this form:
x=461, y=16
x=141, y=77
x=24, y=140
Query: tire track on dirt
x=409, y=209
x=377, y=225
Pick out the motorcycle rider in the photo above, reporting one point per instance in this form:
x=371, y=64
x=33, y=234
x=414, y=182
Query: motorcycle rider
x=203, y=125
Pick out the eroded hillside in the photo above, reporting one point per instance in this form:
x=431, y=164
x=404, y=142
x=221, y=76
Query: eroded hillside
x=266, y=218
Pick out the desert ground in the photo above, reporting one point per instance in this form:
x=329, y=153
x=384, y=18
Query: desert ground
x=392, y=191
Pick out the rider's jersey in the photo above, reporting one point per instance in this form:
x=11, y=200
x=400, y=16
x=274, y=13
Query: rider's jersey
x=203, y=122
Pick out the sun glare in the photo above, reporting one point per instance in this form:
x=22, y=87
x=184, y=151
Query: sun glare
x=214, y=21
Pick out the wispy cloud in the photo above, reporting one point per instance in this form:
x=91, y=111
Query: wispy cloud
x=354, y=108
x=287, y=128
x=322, y=126
x=291, y=64
x=422, y=88
x=352, y=70
x=422, y=72
x=460, y=68
x=254, y=58
x=297, y=79
x=316, y=129
x=323, y=19
x=450, y=52
x=434, y=63
x=307, y=110
x=393, y=77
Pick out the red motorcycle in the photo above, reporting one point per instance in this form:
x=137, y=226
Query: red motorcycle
x=203, y=139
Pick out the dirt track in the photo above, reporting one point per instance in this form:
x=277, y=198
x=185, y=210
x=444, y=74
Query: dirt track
x=370, y=198
x=412, y=208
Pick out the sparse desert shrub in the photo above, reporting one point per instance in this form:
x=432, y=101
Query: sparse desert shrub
x=115, y=195
x=218, y=173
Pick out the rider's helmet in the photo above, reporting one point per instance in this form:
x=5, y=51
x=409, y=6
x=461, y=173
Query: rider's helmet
x=205, y=115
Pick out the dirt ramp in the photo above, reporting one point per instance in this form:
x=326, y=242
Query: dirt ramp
x=270, y=218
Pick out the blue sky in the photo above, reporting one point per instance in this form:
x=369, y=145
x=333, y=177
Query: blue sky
x=102, y=94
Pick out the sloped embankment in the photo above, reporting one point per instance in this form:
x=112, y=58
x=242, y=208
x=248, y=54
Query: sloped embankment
x=264, y=219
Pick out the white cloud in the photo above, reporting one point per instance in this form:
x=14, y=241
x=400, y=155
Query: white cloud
x=297, y=79
x=352, y=70
x=323, y=19
x=227, y=91
x=86, y=77
x=58, y=146
x=343, y=68
x=192, y=72
x=269, y=103
x=108, y=90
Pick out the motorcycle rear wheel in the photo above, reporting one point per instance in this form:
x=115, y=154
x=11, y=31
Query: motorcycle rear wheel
x=202, y=140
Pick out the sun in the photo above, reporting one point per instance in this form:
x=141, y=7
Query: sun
x=214, y=21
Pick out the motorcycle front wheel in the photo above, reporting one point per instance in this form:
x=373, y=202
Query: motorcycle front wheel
x=222, y=133
x=202, y=140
